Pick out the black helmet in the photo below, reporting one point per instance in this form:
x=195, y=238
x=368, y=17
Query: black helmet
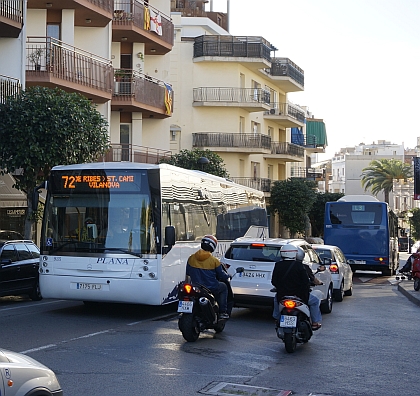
x=209, y=243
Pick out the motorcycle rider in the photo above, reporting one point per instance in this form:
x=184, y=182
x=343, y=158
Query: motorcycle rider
x=205, y=269
x=293, y=278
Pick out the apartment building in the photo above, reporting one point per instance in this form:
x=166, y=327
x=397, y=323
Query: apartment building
x=348, y=164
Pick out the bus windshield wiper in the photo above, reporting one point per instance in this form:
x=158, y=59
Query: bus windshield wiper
x=121, y=250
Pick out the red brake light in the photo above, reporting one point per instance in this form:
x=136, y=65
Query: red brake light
x=258, y=244
x=187, y=288
x=289, y=303
x=334, y=268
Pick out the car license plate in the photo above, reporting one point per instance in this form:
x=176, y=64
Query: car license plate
x=88, y=286
x=359, y=261
x=255, y=274
x=288, y=321
x=185, y=306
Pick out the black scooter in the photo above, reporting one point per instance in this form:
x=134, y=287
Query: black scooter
x=199, y=309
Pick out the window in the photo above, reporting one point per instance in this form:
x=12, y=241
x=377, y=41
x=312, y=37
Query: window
x=9, y=253
x=24, y=253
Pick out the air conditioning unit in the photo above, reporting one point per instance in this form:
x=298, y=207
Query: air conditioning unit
x=272, y=111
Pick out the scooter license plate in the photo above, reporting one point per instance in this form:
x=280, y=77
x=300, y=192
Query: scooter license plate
x=185, y=306
x=288, y=321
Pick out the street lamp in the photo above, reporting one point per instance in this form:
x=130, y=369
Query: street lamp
x=409, y=215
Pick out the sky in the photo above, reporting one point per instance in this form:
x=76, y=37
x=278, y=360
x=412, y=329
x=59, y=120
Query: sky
x=361, y=60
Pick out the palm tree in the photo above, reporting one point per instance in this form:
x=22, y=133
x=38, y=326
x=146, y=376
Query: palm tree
x=380, y=175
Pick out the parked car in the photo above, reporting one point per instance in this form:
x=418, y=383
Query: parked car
x=19, y=263
x=403, y=244
x=7, y=235
x=22, y=375
x=258, y=256
x=341, y=272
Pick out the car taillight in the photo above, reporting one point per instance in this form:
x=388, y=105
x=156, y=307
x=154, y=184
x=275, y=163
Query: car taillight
x=334, y=268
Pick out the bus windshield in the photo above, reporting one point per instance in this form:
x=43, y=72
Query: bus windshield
x=99, y=217
x=352, y=214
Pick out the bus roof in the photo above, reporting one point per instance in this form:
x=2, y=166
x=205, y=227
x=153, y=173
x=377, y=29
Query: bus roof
x=358, y=198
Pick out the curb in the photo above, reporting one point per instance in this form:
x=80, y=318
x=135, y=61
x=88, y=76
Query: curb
x=410, y=295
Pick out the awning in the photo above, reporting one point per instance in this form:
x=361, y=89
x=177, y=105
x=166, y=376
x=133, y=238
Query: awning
x=11, y=197
x=316, y=128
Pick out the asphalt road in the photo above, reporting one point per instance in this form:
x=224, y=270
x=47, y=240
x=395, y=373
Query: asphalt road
x=364, y=348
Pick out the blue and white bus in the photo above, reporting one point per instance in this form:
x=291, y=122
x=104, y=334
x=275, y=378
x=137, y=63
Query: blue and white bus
x=366, y=230
x=122, y=232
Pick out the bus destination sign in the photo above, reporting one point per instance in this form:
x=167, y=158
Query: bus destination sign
x=96, y=181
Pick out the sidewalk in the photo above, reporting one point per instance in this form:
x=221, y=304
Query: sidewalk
x=406, y=287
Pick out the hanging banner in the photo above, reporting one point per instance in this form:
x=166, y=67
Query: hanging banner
x=416, y=161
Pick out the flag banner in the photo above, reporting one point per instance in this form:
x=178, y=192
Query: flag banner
x=168, y=99
x=416, y=161
x=146, y=18
x=155, y=22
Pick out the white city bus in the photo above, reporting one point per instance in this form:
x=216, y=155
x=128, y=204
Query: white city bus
x=122, y=232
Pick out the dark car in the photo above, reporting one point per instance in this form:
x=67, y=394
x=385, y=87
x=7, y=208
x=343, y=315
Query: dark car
x=403, y=244
x=19, y=263
x=7, y=235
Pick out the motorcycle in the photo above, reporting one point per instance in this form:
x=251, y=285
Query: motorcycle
x=199, y=309
x=294, y=325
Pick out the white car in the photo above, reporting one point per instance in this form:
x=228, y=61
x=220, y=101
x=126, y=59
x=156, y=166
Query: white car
x=341, y=272
x=257, y=256
x=21, y=375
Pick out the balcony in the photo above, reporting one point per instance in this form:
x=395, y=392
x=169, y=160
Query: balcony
x=288, y=152
x=315, y=174
x=286, y=75
x=9, y=87
x=250, y=99
x=11, y=18
x=120, y=152
x=286, y=115
x=134, y=91
x=249, y=51
x=87, y=13
x=52, y=63
x=248, y=143
x=136, y=23
x=257, y=183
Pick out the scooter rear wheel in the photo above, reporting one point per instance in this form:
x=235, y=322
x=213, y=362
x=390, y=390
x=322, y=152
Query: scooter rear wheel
x=290, y=342
x=416, y=284
x=220, y=327
x=188, y=327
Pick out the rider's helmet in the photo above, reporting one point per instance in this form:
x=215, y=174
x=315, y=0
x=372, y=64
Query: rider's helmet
x=209, y=243
x=300, y=254
x=289, y=252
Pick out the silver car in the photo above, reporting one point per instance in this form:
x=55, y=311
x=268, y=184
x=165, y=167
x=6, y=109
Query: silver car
x=21, y=375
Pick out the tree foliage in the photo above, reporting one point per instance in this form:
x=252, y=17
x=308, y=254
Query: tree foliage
x=292, y=199
x=380, y=175
x=316, y=213
x=188, y=159
x=43, y=127
x=415, y=224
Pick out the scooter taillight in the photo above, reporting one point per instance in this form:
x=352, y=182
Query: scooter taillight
x=289, y=303
x=188, y=288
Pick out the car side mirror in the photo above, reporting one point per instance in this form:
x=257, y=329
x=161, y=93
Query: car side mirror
x=5, y=261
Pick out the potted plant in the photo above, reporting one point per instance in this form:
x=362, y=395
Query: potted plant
x=35, y=57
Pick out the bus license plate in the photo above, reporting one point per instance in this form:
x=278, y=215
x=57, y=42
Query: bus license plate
x=359, y=261
x=288, y=321
x=185, y=306
x=89, y=286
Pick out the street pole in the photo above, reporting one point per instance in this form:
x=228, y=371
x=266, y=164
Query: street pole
x=409, y=215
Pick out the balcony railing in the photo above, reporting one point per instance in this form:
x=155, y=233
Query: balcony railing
x=9, y=87
x=119, y=152
x=132, y=13
x=131, y=84
x=106, y=5
x=306, y=173
x=284, y=67
x=286, y=109
x=232, y=46
x=47, y=55
x=286, y=148
x=231, y=95
x=12, y=9
x=253, y=182
x=244, y=140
